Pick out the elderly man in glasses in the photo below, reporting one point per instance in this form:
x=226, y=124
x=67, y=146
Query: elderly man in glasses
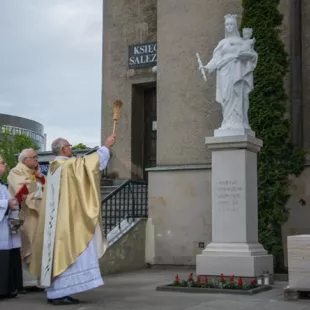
x=26, y=178
x=69, y=240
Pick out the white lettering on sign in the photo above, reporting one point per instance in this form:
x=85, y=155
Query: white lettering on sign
x=142, y=59
x=145, y=49
x=143, y=55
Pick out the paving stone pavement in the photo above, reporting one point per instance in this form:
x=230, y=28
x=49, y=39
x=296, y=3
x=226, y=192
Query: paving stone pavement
x=137, y=291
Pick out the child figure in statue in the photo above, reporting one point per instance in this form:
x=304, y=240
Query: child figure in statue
x=248, y=43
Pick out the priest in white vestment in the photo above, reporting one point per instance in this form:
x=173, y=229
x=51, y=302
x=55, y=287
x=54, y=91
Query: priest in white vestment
x=69, y=239
x=11, y=281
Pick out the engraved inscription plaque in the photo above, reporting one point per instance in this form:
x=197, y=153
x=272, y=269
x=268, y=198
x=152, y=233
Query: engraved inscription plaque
x=228, y=194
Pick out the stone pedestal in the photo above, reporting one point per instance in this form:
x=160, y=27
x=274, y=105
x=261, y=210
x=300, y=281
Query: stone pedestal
x=234, y=249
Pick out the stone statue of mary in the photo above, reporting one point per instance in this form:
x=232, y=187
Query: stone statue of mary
x=234, y=60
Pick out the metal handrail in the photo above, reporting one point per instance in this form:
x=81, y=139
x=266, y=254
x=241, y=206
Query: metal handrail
x=128, y=201
x=114, y=192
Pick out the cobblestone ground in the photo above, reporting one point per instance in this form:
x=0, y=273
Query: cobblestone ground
x=137, y=291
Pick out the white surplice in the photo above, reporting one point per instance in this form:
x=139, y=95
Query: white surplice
x=8, y=240
x=85, y=273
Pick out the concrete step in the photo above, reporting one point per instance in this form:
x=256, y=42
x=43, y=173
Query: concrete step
x=106, y=190
x=106, y=182
x=120, y=230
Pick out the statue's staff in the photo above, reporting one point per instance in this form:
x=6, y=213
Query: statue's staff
x=201, y=67
x=116, y=113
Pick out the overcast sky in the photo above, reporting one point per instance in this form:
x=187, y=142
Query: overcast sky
x=50, y=65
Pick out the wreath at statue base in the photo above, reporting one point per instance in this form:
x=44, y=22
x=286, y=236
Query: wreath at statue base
x=218, y=285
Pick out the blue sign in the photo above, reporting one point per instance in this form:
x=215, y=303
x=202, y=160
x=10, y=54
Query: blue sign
x=44, y=167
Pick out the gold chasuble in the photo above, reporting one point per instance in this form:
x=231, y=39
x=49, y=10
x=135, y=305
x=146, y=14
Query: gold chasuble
x=78, y=214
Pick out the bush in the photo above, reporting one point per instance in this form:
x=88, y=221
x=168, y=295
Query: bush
x=268, y=117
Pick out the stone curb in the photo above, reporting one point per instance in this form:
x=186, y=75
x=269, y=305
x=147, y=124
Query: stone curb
x=170, y=288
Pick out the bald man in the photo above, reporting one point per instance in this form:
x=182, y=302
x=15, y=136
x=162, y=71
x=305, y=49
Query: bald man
x=28, y=172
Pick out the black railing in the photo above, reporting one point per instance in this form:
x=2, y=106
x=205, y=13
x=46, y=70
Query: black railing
x=128, y=201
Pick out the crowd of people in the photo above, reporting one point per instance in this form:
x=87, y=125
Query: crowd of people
x=50, y=228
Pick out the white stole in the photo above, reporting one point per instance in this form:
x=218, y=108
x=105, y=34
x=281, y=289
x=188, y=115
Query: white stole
x=51, y=211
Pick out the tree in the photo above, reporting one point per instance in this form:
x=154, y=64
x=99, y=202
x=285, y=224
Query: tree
x=278, y=158
x=80, y=146
x=11, y=146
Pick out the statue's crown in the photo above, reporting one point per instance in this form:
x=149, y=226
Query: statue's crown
x=231, y=16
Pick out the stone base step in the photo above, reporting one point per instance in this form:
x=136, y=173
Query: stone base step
x=295, y=294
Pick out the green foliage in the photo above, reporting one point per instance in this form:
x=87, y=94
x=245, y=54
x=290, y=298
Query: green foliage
x=278, y=158
x=11, y=145
x=80, y=146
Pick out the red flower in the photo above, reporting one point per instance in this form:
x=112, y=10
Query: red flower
x=206, y=280
x=198, y=280
x=190, y=277
x=222, y=278
x=177, y=279
x=254, y=282
x=240, y=282
x=232, y=278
